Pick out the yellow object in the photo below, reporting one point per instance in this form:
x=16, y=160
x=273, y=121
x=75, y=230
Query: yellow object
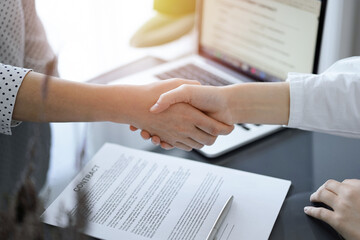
x=162, y=29
x=175, y=7
x=175, y=18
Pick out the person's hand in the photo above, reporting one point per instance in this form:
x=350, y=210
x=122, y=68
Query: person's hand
x=211, y=100
x=154, y=139
x=344, y=199
x=258, y=103
x=182, y=125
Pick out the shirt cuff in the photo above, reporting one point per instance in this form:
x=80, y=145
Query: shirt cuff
x=296, y=82
x=10, y=80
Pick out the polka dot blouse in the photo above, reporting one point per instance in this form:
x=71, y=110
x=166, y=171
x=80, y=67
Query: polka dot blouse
x=11, y=79
x=23, y=46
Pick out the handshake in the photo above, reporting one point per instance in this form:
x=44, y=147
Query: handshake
x=173, y=113
x=181, y=113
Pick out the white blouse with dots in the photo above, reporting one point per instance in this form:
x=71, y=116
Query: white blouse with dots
x=23, y=46
x=11, y=78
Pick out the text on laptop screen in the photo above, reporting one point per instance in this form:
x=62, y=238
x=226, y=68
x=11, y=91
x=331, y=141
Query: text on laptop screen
x=265, y=39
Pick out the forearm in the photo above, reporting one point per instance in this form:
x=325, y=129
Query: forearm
x=262, y=103
x=62, y=101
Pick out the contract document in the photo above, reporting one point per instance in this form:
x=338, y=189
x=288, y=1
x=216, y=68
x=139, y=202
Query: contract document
x=139, y=195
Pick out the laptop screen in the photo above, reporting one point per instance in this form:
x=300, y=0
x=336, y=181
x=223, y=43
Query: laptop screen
x=264, y=39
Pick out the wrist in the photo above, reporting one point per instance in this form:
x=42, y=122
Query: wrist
x=117, y=103
x=262, y=103
x=241, y=103
x=127, y=104
x=233, y=102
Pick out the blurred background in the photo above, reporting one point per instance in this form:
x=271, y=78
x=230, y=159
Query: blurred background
x=90, y=37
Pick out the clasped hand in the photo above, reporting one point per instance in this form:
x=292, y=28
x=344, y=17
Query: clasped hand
x=182, y=125
x=212, y=101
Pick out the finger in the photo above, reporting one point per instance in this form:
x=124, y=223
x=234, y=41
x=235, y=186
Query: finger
x=166, y=145
x=203, y=137
x=132, y=128
x=333, y=186
x=155, y=140
x=182, y=146
x=321, y=214
x=145, y=135
x=192, y=143
x=352, y=182
x=180, y=94
x=347, y=181
x=325, y=196
x=182, y=81
x=213, y=127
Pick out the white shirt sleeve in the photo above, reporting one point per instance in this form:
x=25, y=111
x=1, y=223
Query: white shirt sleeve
x=328, y=102
x=10, y=81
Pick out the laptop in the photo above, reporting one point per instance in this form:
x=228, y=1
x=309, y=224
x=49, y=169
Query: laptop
x=247, y=41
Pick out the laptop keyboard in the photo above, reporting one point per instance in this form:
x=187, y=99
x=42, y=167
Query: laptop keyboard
x=191, y=71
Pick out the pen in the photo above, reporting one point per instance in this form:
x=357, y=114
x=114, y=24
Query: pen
x=220, y=219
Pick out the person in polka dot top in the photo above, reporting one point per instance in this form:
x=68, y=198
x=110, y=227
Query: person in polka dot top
x=26, y=109
x=23, y=46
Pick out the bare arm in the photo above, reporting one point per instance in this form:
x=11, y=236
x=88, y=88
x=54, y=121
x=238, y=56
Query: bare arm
x=181, y=125
x=263, y=103
x=63, y=101
x=266, y=103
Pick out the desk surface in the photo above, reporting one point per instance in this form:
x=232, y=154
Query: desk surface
x=286, y=154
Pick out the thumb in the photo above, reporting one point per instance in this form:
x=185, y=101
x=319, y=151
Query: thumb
x=177, y=95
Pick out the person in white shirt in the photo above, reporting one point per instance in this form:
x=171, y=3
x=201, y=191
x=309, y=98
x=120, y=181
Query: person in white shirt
x=328, y=103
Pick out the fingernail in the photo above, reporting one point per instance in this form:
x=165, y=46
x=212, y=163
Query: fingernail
x=306, y=209
x=154, y=107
